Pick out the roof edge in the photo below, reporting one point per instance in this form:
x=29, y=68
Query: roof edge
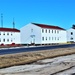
x=48, y=26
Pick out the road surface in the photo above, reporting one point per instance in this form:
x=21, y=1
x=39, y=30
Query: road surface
x=18, y=50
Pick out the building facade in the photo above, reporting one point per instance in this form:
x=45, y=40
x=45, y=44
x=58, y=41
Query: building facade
x=42, y=34
x=71, y=34
x=9, y=36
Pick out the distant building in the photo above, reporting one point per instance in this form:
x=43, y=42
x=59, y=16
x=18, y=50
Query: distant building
x=9, y=36
x=71, y=34
x=42, y=34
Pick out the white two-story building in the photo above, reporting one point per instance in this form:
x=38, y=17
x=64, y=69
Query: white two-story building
x=9, y=36
x=71, y=34
x=42, y=34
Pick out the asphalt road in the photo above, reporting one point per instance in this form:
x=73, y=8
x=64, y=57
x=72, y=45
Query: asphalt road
x=18, y=50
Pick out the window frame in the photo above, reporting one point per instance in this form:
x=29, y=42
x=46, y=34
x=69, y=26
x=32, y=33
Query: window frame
x=3, y=40
x=42, y=30
x=71, y=33
x=46, y=30
x=42, y=38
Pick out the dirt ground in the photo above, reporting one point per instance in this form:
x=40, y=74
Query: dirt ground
x=44, y=62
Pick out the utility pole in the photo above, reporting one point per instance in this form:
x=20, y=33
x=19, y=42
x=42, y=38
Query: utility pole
x=1, y=20
x=13, y=23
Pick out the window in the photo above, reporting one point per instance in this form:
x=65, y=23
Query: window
x=3, y=40
x=49, y=38
x=46, y=30
x=11, y=33
x=49, y=31
x=71, y=38
x=43, y=38
x=71, y=33
x=11, y=40
x=34, y=40
x=52, y=38
x=42, y=30
x=58, y=38
x=4, y=33
x=46, y=38
x=7, y=33
x=55, y=38
x=31, y=30
x=52, y=31
x=7, y=40
x=55, y=31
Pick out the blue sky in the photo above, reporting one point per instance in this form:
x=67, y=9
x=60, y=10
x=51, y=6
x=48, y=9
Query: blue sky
x=52, y=12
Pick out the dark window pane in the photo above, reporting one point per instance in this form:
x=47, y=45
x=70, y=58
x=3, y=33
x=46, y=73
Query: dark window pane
x=71, y=33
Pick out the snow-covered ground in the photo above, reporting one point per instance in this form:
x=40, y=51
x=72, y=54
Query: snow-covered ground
x=18, y=47
x=44, y=67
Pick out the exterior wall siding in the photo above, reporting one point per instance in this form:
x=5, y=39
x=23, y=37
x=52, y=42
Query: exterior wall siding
x=9, y=37
x=54, y=36
x=30, y=34
x=71, y=37
x=35, y=34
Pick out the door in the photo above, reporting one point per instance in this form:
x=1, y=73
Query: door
x=32, y=39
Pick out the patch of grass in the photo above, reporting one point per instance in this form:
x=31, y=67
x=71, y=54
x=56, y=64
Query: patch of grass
x=29, y=57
